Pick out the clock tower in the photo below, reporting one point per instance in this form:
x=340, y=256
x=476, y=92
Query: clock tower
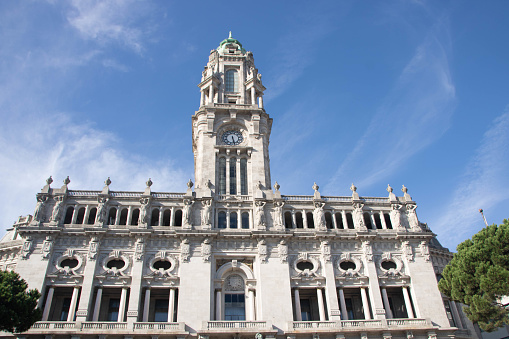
x=231, y=129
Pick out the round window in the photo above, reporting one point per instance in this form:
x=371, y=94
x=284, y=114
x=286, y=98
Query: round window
x=117, y=263
x=347, y=265
x=162, y=264
x=71, y=263
x=387, y=265
x=305, y=265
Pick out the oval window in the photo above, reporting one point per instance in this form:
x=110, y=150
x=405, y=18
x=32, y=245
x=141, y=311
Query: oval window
x=71, y=263
x=305, y=265
x=347, y=265
x=117, y=263
x=387, y=265
x=164, y=264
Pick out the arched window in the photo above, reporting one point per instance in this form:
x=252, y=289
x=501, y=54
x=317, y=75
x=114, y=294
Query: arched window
x=367, y=220
x=339, y=220
x=123, y=217
x=309, y=218
x=135, y=217
x=154, y=219
x=166, y=217
x=349, y=220
x=221, y=219
x=68, y=215
x=328, y=220
x=81, y=215
x=92, y=215
x=243, y=176
x=112, y=215
x=288, y=219
x=298, y=220
x=178, y=218
x=245, y=220
x=234, y=298
x=388, y=222
x=233, y=176
x=378, y=222
x=233, y=220
x=232, y=81
x=222, y=176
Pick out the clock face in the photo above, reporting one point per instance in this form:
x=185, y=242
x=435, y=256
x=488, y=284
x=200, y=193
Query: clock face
x=232, y=138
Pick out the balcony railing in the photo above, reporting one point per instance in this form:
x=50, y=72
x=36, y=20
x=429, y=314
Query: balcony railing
x=106, y=326
x=356, y=325
x=240, y=326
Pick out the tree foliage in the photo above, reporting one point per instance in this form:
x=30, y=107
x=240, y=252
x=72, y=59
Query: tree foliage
x=478, y=276
x=17, y=305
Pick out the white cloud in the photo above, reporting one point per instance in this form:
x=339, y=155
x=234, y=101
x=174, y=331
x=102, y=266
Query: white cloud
x=415, y=113
x=484, y=184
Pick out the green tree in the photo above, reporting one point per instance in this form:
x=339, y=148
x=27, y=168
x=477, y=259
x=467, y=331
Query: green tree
x=478, y=276
x=17, y=305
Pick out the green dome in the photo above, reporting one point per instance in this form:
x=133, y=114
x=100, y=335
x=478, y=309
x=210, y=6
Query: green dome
x=230, y=40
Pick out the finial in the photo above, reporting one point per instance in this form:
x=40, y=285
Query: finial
x=107, y=182
x=49, y=180
x=190, y=183
x=389, y=188
x=67, y=181
x=230, y=35
x=353, y=188
x=315, y=187
x=149, y=182
x=404, y=189
x=276, y=186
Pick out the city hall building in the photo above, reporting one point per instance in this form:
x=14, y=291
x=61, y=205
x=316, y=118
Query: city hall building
x=232, y=257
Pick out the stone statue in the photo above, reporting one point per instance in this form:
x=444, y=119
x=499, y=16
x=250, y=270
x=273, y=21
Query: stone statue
x=207, y=208
x=142, y=220
x=101, y=210
x=259, y=213
x=318, y=215
x=412, y=218
x=56, y=215
x=39, y=208
x=358, y=217
x=278, y=213
x=187, y=212
x=396, y=217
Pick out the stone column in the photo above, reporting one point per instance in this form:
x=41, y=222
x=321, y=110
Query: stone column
x=74, y=300
x=75, y=214
x=211, y=94
x=304, y=219
x=455, y=314
x=47, y=307
x=373, y=223
x=365, y=304
x=238, y=176
x=228, y=219
x=129, y=215
x=161, y=215
x=334, y=221
x=172, y=217
x=171, y=305
x=321, y=307
x=261, y=101
x=219, y=301
x=87, y=215
x=387, y=306
x=146, y=305
x=121, y=309
x=253, y=96
x=97, y=306
x=252, y=311
x=227, y=177
x=298, y=311
x=202, y=98
x=345, y=221
x=344, y=312
x=408, y=303
x=382, y=219
x=294, y=220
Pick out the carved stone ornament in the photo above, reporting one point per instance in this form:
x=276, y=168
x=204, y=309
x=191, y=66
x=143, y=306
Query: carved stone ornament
x=407, y=251
x=56, y=215
x=367, y=250
x=358, y=216
x=234, y=282
x=282, y=249
x=66, y=271
x=424, y=249
x=114, y=271
x=412, y=218
x=39, y=213
x=262, y=251
x=326, y=252
x=395, y=215
x=162, y=274
x=143, y=218
x=139, y=249
x=47, y=246
x=351, y=272
x=409, y=334
x=306, y=273
x=319, y=216
x=93, y=247
x=278, y=215
x=187, y=214
x=185, y=250
x=206, y=212
x=27, y=248
x=392, y=272
x=206, y=250
x=100, y=218
x=260, y=215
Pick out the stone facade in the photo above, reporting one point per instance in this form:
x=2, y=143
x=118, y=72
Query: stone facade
x=231, y=256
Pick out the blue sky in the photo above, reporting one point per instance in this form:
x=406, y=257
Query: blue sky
x=370, y=92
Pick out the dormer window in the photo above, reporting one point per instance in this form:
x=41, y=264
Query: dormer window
x=232, y=81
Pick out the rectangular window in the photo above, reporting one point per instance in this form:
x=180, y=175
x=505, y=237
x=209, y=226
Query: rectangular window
x=233, y=176
x=113, y=308
x=222, y=176
x=66, y=305
x=234, y=307
x=243, y=176
x=161, y=310
x=245, y=220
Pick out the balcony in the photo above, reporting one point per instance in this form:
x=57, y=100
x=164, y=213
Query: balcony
x=359, y=325
x=106, y=327
x=251, y=327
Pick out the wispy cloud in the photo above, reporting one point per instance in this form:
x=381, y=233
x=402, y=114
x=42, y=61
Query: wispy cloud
x=109, y=21
x=415, y=113
x=484, y=184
